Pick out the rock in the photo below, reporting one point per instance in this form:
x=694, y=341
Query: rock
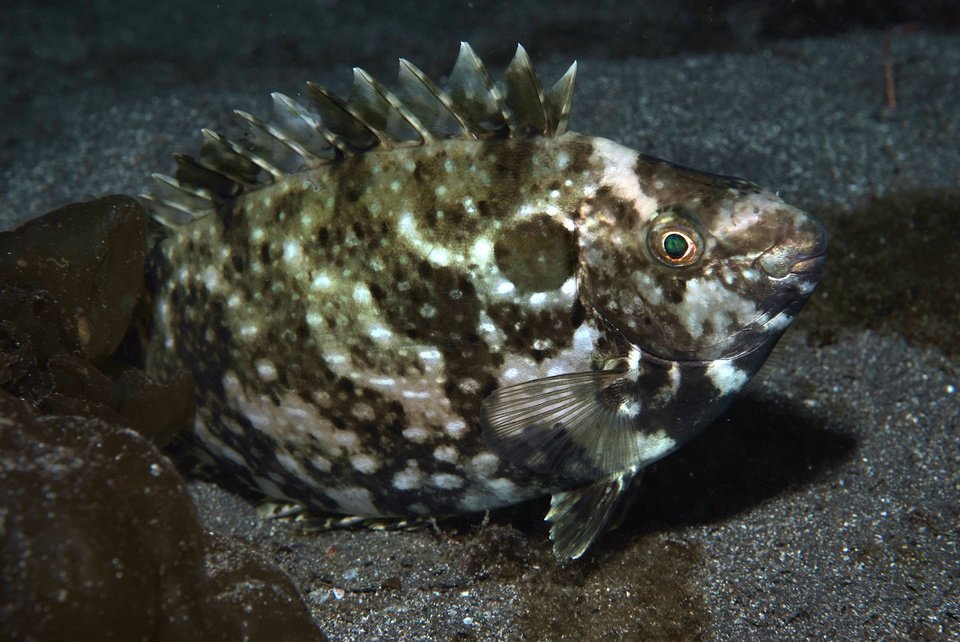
x=69, y=283
x=101, y=542
x=259, y=597
x=89, y=258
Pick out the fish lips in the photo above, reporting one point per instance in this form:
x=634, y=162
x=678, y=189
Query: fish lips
x=810, y=266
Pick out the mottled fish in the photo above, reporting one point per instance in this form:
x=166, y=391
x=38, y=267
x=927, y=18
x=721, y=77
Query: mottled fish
x=428, y=301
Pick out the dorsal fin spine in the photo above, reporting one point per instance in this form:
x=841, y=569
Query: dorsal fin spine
x=438, y=94
x=237, y=149
x=335, y=109
x=398, y=107
x=525, y=95
x=276, y=134
x=560, y=100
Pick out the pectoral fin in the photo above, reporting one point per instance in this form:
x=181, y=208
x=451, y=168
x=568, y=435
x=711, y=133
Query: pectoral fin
x=578, y=516
x=578, y=427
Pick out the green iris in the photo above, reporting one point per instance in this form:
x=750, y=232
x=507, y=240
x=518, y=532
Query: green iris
x=675, y=245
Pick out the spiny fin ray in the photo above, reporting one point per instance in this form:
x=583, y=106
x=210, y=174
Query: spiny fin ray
x=560, y=100
x=430, y=104
x=298, y=138
x=525, y=95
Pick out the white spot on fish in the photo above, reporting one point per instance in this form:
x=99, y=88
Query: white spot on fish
x=266, y=370
x=505, y=287
x=633, y=362
x=699, y=306
x=485, y=464
x=439, y=256
x=361, y=294
x=630, y=408
x=447, y=454
x=654, y=446
x=346, y=439
x=504, y=489
x=726, y=377
x=446, y=481
x=430, y=354
x=379, y=332
x=291, y=251
x=211, y=278
x=353, y=500
x=482, y=251
x=410, y=478
x=456, y=428
x=365, y=464
x=363, y=412
x=619, y=175
x=416, y=434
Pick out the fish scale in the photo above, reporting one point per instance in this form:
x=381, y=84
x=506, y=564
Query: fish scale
x=431, y=301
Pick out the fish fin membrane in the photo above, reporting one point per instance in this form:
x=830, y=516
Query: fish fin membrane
x=573, y=427
x=578, y=516
x=418, y=111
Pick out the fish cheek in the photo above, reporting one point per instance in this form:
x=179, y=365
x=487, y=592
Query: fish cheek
x=536, y=255
x=639, y=298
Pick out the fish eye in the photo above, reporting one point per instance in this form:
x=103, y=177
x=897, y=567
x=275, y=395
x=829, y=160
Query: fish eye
x=675, y=244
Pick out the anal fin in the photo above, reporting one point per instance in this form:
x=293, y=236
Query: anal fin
x=578, y=516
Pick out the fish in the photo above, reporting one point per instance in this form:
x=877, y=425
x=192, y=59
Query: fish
x=429, y=301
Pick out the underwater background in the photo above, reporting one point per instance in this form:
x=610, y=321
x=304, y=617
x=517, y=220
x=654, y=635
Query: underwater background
x=825, y=504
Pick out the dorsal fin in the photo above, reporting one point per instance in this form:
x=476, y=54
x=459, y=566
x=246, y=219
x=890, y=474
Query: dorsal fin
x=470, y=106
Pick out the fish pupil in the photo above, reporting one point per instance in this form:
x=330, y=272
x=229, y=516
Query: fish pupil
x=675, y=245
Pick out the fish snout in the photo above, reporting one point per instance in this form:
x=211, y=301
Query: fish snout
x=802, y=252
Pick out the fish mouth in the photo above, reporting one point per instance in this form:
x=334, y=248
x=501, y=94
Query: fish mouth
x=802, y=254
x=810, y=265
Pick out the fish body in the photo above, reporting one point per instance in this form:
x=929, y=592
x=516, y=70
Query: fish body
x=441, y=301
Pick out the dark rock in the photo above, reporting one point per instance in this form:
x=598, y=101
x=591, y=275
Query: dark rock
x=89, y=258
x=69, y=283
x=259, y=598
x=101, y=542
